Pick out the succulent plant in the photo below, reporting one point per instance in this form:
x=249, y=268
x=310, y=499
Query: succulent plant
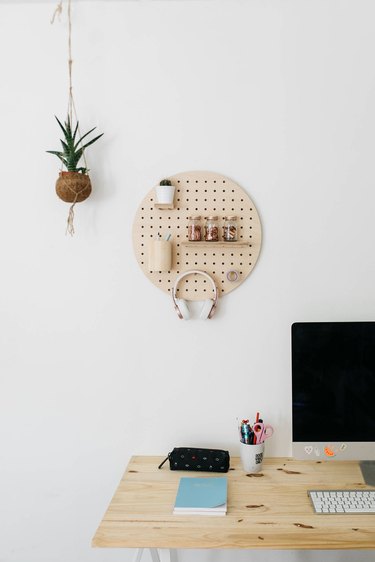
x=72, y=149
x=165, y=182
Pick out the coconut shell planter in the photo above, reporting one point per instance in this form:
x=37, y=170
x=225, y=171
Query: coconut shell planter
x=73, y=185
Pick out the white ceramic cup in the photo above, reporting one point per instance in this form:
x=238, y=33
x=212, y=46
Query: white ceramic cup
x=252, y=457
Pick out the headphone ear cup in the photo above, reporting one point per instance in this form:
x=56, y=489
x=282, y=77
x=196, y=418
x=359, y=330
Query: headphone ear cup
x=206, y=309
x=183, y=309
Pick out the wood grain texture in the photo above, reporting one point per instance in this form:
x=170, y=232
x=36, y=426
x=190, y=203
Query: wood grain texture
x=269, y=510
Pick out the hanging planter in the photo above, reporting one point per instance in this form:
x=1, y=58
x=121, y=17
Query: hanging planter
x=74, y=185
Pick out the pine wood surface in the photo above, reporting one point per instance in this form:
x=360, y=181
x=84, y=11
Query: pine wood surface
x=268, y=510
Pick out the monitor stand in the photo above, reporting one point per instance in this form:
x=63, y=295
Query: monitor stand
x=368, y=472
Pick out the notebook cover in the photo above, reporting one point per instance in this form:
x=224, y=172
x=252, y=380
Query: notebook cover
x=201, y=493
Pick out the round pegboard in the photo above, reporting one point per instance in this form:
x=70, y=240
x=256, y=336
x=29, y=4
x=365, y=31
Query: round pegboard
x=199, y=193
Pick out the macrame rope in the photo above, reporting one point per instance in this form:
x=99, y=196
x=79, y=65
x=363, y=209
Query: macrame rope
x=57, y=12
x=70, y=62
x=70, y=219
x=71, y=104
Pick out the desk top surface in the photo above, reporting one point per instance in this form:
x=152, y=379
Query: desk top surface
x=270, y=509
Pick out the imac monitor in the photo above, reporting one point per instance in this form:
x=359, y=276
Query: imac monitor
x=333, y=391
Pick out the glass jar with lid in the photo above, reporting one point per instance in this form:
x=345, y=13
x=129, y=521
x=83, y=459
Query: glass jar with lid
x=195, y=229
x=230, y=229
x=211, y=229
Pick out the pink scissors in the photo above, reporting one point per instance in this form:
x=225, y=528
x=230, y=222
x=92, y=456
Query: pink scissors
x=262, y=432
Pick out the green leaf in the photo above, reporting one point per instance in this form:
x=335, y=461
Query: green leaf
x=92, y=141
x=77, y=156
x=60, y=156
x=62, y=126
x=68, y=128
x=75, y=132
x=65, y=147
x=85, y=135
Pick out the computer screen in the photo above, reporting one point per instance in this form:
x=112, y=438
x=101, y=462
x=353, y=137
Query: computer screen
x=333, y=387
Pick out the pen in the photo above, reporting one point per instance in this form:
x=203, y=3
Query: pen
x=256, y=434
x=246, y=432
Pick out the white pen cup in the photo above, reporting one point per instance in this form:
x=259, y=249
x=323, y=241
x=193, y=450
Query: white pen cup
x=252, y=457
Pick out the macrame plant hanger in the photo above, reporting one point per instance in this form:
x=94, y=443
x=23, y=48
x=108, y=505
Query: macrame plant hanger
x=71, y=112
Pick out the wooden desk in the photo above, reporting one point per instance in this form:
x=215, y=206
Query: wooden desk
x=269, y=510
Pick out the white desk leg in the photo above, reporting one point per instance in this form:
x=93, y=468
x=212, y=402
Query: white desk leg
x=138, y=555
x=173, y=555
x=154, y=555
x=168, y=555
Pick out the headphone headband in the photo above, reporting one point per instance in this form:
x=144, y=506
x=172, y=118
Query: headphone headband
x=209, y=305
x=189, y=272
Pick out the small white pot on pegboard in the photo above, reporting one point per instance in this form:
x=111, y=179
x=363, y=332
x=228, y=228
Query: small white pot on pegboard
x=164, y=192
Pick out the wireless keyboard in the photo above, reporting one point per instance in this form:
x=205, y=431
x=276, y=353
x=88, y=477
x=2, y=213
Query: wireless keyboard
x=343, y=501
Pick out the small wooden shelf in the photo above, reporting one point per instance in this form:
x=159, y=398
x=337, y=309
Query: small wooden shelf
x=164, y=206
x=220, y=244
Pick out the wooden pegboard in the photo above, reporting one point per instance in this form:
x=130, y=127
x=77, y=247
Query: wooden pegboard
x=199, y=193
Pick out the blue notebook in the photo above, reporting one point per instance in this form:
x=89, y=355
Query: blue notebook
x=201, y=496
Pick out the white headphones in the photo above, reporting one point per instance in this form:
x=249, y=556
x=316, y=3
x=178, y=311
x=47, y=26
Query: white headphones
x=181, y=307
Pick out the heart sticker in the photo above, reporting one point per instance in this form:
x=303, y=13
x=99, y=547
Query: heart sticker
x=309, y=449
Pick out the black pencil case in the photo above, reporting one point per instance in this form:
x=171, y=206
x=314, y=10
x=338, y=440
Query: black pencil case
x=191, y=458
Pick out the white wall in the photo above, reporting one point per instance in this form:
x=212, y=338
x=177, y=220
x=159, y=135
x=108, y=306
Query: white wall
x=279, y=96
